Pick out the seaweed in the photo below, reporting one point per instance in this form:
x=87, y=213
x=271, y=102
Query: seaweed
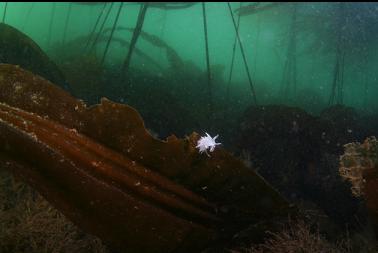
x=70, y=50
x=17, y=48
x=28, y=223
x=101, y=28
x=359, y=165
x=111, y=34
x=251, y=85
x=255, y=8
x=173, y=57
x=66, y=23
x=49, y=33
x=5, y=11
x=208, y=69
x=136, y=32
x=289, y=77
x=135, y=186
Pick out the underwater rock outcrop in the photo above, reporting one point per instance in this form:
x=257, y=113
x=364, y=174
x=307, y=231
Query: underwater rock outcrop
x=359, y=165
x=17, y=48
x=106, y=173
x=340, y=125
x=284, y=132
x=297, y=139
x=298, y=154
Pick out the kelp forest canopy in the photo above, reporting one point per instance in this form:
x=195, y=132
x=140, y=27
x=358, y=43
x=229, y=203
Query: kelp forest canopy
x=326, y=51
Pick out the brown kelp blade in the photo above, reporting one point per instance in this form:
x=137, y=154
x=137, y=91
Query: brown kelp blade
x=103, y=192
x=241, y=197
x=19, y=49
x=221, y=179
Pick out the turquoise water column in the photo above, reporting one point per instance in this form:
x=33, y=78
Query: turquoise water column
x=5, y=11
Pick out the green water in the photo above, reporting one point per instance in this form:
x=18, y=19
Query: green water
x=265, y=36
x=303, y=85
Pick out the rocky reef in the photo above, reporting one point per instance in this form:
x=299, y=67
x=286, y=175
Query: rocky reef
x=298, y=154
x=359, y=165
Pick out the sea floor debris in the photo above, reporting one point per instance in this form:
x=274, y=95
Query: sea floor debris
x=28, y=223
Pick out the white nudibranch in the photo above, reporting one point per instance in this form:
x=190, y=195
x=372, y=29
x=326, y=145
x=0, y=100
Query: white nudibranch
x=207, y=142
